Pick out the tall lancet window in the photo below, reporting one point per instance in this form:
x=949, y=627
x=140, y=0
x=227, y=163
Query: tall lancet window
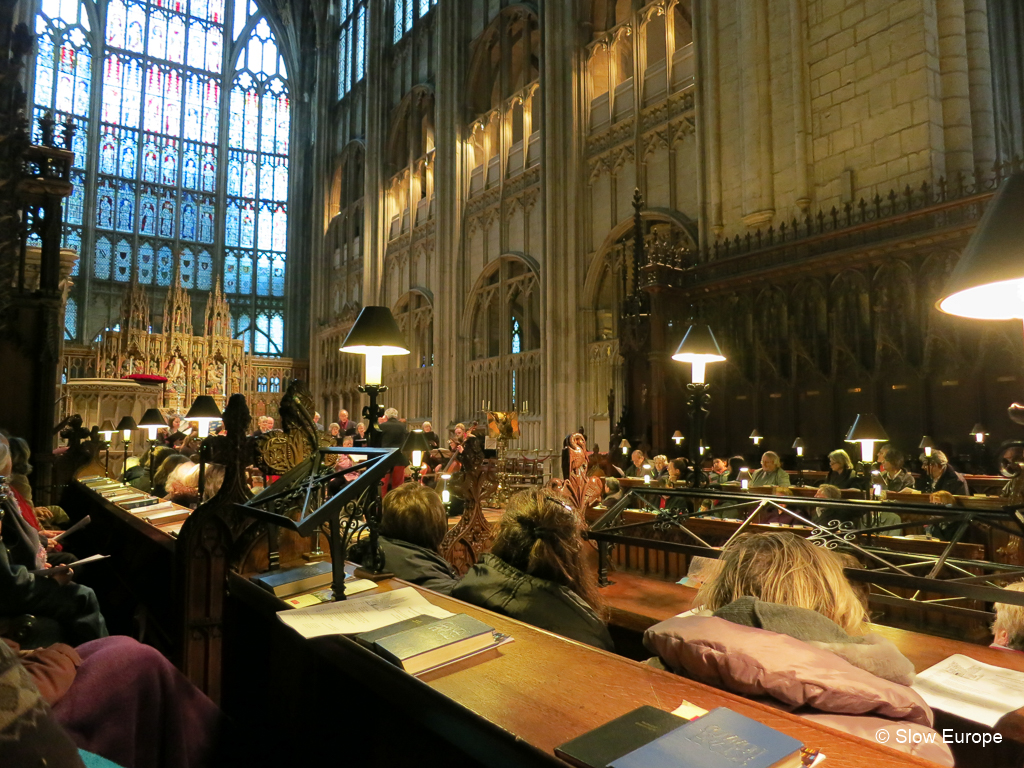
x=256, y=233
x=183, y=116
x=63, y=87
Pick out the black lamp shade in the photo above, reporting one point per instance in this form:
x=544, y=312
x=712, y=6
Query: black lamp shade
x=415, y=441
x=927, y=442
x=203, y=407
x=866, y=427
x=698, y=345
x=755, y=434
x=978, y=429
x=126, y=423
x=799, y=443
x=153, y=418
x=108, y=427
x=375, y=330
x=987, y=281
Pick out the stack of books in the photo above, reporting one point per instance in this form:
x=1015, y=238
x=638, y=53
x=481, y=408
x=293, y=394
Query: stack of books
x=165, y=515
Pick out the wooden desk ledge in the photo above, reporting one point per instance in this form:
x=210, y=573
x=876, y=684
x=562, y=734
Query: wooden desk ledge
x=541, y=690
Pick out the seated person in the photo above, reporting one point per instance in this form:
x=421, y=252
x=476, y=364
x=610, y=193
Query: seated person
x=334, y=431
x=412, y=526
x=894, y=477
x=1008, y=628
x=719, y=472
x=825, y=491
x=736, y=464
x=659, y=467
x=164, y=470
x=937, y=475
x=636, y=468
x=21, y=467
x=612, y=491
x=183, y=485
x=537, y=571
x=779, y=619
x=945, y=529
x=778, y=515
x=771, y=472
x=72, y=606
x=840, y=471
x=123, y=700
x=158, y=453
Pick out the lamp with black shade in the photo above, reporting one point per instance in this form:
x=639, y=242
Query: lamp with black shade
x=678, y=437
x=866, y=430
x=125, y=427
x=988, y=281
x=624, y=445
x=415, y=447
x=698, y=348
x=204, y=410
x=375, y=335
x=107, y=430
x=755, y=437
x=151, y=421
x=927, y=445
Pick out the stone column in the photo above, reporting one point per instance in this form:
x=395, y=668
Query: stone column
x=979, y=63
x=797, y=40
x=374, y=224
x=562, y=189
x=450, y=185
x=756, y=114
x=956, y=103
x=705, y=35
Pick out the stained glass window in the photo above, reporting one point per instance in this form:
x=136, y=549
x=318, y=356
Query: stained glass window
x=63, y=85
x=351, y=45
x=70, y=320
x=517, y=337
x=157, y=200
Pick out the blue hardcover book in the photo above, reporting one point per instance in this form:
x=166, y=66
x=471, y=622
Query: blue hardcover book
x=720, y=739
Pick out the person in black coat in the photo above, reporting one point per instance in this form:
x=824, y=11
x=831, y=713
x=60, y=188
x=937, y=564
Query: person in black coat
x=537, y=571
x=841, y=473
x=431, y=436
x=937, y=475
x=393, y=434
x=412, y=526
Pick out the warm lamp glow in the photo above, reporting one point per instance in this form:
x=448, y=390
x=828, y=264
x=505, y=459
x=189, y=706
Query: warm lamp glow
x=927, y=444
x=698, y=348
x=107, y=430
x=756, y=437
x=979, y=433
x=744, y=478
x=677, y=437
x=647, y=474
x=867, y=431
x=624, y=445
x=988, y=281
x=798, y=444
x=374, y=334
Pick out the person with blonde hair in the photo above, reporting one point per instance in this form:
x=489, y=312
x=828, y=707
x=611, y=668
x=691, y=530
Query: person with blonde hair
x=537, y=571
x=840, y=471
x=778, y=618
x=1008, y=628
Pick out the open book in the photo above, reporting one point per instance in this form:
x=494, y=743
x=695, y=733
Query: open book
x=361, y=614
x=973, y=690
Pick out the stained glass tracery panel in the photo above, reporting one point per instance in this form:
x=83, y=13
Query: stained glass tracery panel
x=256, y=220
x=153, y=204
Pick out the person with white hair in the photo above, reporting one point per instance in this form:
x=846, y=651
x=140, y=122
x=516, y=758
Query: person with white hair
x=393, y=434
x=1008, y=628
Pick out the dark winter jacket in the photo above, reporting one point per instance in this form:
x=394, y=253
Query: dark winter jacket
x=494, y=584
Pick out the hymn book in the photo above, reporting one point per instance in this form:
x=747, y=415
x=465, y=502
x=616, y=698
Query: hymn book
x=720, y=739
x=292, y=581
x=437, y=643
x=609, y=742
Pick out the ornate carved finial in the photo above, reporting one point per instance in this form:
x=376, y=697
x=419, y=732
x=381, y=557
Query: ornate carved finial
x=46, y=128
x=579, y=490
x=70, y=129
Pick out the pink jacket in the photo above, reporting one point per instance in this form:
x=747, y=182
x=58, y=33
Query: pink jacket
x=837, y=691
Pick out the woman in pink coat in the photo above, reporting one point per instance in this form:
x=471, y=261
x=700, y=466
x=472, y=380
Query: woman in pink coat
x=779, y=622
